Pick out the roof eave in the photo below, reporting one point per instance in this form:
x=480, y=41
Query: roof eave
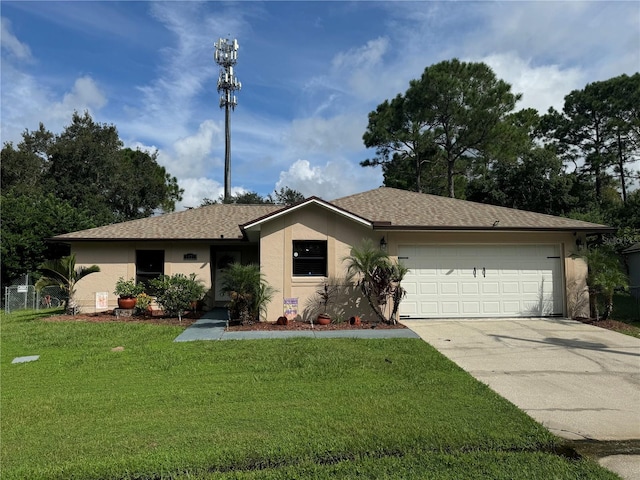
x=456, y=228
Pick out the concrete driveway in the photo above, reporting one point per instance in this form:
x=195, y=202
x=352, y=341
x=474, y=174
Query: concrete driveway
x=579, y=381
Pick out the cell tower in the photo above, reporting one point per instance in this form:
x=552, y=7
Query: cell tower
x=226, y=55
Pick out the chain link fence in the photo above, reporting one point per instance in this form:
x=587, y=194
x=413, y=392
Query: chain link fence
x=23, y=296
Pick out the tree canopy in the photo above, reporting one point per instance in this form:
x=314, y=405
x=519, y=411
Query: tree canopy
x=80, y=178
x=446, y=120
x=455, y=131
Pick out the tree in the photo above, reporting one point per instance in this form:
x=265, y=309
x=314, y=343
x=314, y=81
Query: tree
x=26, y=222
x=151, y=189
x=448, y=118
x=81, y=178
x=523, y=174
x=378, y=278
x=286, y=196
x=599, y=129
x=64, y=274
x=92, y=171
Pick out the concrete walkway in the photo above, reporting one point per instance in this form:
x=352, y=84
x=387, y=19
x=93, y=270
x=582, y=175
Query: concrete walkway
x=211, y=326
x=579, y=381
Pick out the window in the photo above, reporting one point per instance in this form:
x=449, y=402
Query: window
x=149, y=265
x=310, y=258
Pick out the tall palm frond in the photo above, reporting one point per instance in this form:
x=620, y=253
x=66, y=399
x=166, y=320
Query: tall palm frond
x=63, y=273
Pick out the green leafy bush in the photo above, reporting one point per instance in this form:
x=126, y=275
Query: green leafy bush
x=128, y=288
x=176, y=293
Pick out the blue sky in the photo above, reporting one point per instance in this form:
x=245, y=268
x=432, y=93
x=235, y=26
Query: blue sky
x=310, y=72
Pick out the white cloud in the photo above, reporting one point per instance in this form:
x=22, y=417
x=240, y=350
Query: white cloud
x=196, y=189
x=342, y=133
x=10, y=42
x=333, y=180
x=542, y=87
x=193, y=153
x=84, y=95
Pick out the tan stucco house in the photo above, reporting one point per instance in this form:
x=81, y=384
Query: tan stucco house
x=465, y=259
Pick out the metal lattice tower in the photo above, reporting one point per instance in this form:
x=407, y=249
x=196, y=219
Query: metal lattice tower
x=226, y=55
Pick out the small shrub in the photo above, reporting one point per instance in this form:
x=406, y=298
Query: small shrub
x=176, y=293
x=142, y=302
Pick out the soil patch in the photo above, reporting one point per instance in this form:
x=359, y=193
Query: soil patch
x=109, y=316
x=297, y=325
x=611, y=325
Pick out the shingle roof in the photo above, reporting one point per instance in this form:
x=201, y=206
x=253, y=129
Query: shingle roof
x=404, y=209
x=385, y=208
x=209, y=222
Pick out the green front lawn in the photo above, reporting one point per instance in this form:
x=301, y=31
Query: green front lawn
x=299, y=408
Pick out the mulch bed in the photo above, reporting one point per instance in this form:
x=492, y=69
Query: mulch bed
x=298, y=325
x=189, y=318
x=608, y=324
x=110, y=317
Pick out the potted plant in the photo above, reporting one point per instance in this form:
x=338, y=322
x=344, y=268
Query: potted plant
x=325, y=296
x=127, y=291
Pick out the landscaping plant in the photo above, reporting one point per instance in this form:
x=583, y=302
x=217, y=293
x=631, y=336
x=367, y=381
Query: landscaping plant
x=249, y=292
x=378, y=278
x=128, y=288
x=605, y=275
x=176, y=293
x=64, y=274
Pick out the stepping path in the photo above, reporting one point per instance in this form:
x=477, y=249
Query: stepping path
x=211, y=326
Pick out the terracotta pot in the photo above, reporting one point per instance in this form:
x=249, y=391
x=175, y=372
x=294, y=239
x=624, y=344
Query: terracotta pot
x=282, y=321
x=323, y=319
x=127, y=303
x=355, y=320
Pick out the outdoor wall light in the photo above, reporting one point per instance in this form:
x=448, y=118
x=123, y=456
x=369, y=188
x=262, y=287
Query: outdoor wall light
x=383, y=244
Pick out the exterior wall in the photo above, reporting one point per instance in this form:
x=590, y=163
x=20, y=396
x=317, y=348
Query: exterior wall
x=118, y=259
x=316, y=223
x=276, y=247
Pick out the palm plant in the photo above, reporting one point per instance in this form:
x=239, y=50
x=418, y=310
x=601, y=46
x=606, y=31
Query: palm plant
x=248, y=290
x=63, y=273
x=378, y=278
x=604, y=277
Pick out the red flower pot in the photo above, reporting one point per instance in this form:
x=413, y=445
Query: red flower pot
x=323, y=319
x=127, y=303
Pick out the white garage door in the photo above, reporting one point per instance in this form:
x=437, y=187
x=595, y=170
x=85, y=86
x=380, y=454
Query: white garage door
x=448, y=281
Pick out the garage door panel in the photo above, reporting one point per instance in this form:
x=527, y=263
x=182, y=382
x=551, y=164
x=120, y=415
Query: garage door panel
x=470, y=288
x=471, y=308
x=449, y=288
x=491, y=308
x=429, y=308
x=429, y=288
x=509, y=280
x=450, y=308
x=490, y=288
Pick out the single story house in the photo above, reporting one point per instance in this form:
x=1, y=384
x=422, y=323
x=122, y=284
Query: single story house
x=632, y=256
x=465, y=259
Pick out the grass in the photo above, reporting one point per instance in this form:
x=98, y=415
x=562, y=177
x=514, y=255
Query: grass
x=296, y=408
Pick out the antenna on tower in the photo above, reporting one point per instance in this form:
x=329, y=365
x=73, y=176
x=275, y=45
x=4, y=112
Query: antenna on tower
x=226, y=55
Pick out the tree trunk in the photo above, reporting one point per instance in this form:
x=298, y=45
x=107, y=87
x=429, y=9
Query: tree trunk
x=450, y=184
